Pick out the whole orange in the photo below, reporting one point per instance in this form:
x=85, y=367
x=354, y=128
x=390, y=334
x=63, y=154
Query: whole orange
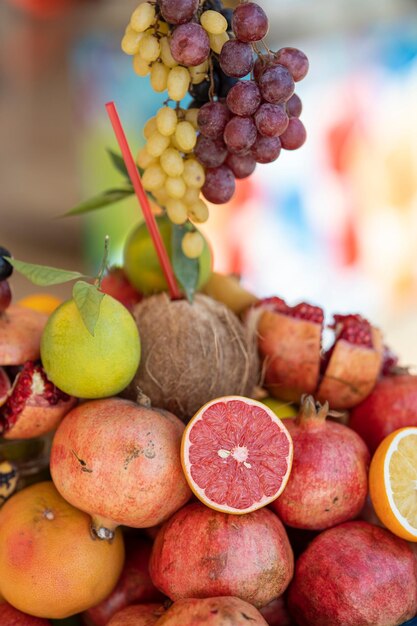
x=50, y=564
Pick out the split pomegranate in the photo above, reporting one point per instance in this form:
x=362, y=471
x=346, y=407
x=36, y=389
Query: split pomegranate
x=120, y=462
x=201, y=553
x=353, y=364
x=391, y=405
x=134, y=585
x=138, y=615
x=222, y=611
x=355, y=574
x=4, y=386
x=329, y=478
x=289, y=344
x=35, y=406
x=20, y=335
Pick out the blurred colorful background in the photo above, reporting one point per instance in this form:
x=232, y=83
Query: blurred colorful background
x=334, y=223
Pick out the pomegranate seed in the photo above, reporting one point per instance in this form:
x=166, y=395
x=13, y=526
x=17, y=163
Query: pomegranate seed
x=302, y=311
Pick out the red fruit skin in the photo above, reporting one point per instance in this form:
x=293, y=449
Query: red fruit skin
x=4, y=386
x=117, y=285
x=201, y=553
x=391, y=405
x=351, y=373
x=329, y=477
x=134, y=585
x=138, y=615
x=355, y=574
x=290, y=349
x=9, y=616
x=276, y=613
x=20, y=335
x=120, y=462
x=221, y=611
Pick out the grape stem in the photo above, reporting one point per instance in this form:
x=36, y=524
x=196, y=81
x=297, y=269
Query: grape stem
x=212, y=85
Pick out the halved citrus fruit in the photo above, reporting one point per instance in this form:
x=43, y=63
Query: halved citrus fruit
x=236, y=455
x=393, y=483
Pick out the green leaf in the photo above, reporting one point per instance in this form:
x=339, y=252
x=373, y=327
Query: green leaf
x=186, y=270
x=43, y=275
x=88, y=300
x=118, y=162
x=102, y=200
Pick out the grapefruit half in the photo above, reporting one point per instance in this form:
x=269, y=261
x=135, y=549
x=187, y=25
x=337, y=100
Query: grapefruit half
x=236, y=455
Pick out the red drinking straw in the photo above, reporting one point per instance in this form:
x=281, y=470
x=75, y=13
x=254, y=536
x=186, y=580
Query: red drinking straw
x=143, y=201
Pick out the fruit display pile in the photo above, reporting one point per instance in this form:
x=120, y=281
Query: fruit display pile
x=211, y=464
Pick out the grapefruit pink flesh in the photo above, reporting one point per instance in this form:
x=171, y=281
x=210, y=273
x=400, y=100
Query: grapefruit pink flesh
x=236, y=455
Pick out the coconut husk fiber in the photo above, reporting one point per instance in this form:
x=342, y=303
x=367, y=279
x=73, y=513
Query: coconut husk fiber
x=191, y=354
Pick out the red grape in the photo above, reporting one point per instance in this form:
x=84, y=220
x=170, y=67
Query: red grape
x=294, y=106
x=190, y=44
x=212, y=119
x=220, y=185
x=294, y=136
x=276, y=84
x=5, y=295
x=266, y=149
x=271, y=119
x=178, y=11
x=244, y=98
x=249, y=22
x=236, y=58
x=262, y=62
x=242, y=166
x=295, y=61
x=210, y=152
x=240, y=134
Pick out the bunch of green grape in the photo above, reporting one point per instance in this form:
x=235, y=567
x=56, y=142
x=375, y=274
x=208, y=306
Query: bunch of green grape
x=243, y=110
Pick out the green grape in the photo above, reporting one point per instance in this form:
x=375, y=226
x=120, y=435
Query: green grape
x=172, y=163
x=186, y=136
x=213, y=22
x=159, y=76
x=175, y=187
x=194, y=174
x=141, y=67
x=157, y=144
x=149, y=48
x=198, y=212
x=153, y=177
x=150, y=127
x=178, y=83
x=143, y=17
x=144, y=159
x=131, y=42
x=176, y=211
x=198, y=73
x=166, y=121
x=217, y=42
x=191, y=115
x=192, y=245
x=166, y=56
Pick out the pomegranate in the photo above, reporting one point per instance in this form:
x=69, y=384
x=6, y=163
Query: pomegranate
x=134, y=584
x=34, y=406
x=355, y=574
x=353, y=364
x=9, y=616
x=20, y=335
x=222, y=611
x=4, y=386
x=329, y=478
x=120, y=462
x=201, y=553
x=289, y=344
x=276, y=613
x=117, y=285
x=391, y=405
x=137, y=615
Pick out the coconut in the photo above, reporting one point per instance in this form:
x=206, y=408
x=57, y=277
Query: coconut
x=191, y=354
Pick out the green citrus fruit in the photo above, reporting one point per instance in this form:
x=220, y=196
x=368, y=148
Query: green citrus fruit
x=281, y=409
x=89, y=366
x=141, y=262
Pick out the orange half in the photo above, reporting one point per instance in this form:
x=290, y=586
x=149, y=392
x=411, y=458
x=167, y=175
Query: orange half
x=393, y=483
x=236, y=455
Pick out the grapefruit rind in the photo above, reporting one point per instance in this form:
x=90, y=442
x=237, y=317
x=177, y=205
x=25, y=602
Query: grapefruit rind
x=384, y=504
x=200, y=492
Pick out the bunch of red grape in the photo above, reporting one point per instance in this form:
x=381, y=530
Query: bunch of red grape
x=243, y=111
